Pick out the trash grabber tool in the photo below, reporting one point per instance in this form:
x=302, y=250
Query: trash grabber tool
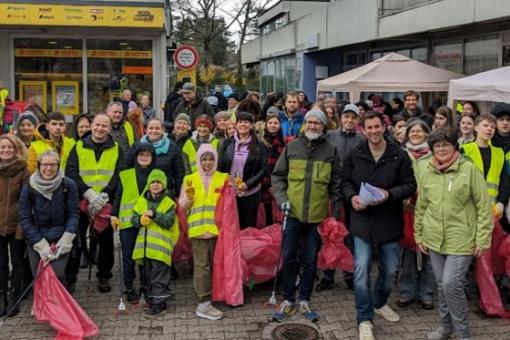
x=272, y=299
x=122, y=306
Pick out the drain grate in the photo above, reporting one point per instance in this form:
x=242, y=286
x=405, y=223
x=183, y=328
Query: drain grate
x=295, y=331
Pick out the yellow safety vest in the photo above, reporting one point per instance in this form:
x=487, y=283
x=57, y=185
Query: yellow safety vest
x=95, y=174
x=130, y=133
x=472, y=151
x=201, y=214
x=40, y=146
x=129, y=195
x=191, y=154
x=154, y=242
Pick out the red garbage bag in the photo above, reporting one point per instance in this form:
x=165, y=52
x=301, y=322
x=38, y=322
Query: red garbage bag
x=54, y=305
x=101, y=220
x=261, y=216
x=182, y=250
x=277, y=213
x=334, y=253
x=260, y=249
x=490, y=299
x=407, y=240
x=227, y=283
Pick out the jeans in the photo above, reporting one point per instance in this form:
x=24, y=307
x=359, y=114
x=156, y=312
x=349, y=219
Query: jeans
x=365, y=299
x=15, y=249
x=127, y=241
x=415, y=284
x=294, y=232
x=450, y=272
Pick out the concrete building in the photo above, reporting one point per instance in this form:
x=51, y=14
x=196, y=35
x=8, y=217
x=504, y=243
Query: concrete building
x=324, y=39
x=76, y=56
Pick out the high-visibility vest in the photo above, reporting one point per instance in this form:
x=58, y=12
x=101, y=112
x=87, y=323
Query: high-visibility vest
x=154, y=242
x=130, y=133
x=40, y=146
x=97, y=174
x=201, y=214
x=472, y=151
x=191, y=153
x=129, y=195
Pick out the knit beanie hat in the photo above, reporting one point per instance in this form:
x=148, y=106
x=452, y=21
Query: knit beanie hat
x=156, y=175
x=222, y=115
x=183, y=116
x=317, y=114
x=206, y=120
x=273, y=110
x=27, y=115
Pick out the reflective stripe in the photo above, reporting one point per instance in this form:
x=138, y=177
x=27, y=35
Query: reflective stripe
x=96, y=172
x=492, y=186
x=127, y=206
x=98, y=183
x=153, y=246
x=126, y=218
x=201, y=222
x=202, y=208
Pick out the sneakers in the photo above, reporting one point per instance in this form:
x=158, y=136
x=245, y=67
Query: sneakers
x=207, y=311
x=286, y=309
x=366, y=330
x=304, y=308
x=440, y=333
x=387, y=313
x=132, y=296
x=324, y=284
x=156, y=310
x=104, y=285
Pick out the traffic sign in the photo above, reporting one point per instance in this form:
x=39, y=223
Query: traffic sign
x=186, y=57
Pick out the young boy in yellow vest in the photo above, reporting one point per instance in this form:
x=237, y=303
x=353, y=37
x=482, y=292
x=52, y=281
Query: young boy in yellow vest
x=154, y=216
x=490, y=160
x=204, y=126
x=199, y=195
x=132, y=182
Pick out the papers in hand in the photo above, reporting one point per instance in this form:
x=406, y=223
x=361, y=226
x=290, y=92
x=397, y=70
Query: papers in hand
x=369, y=194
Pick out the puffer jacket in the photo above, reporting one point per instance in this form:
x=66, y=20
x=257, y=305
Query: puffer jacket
x=308, y=175
x=453, y=211
x=41, y=218
x=12, y=180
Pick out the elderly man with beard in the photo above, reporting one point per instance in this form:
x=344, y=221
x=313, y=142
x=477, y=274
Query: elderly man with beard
x=306, y=177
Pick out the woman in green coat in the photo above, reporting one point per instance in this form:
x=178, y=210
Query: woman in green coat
x=453, y=223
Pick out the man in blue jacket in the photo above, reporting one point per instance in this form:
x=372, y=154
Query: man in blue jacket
x=291, y=119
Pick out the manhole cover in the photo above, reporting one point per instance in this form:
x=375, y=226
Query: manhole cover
x=295, y=331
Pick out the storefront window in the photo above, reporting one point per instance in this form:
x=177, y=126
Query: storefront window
x=116, y=65
x=448, y=56
x=48, y=72
x=420, y=54
x=481, y=54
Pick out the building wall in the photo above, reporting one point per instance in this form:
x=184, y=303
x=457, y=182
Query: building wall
x=5, y=75
x=311, y=25
x=302, y=8
x=278, y=42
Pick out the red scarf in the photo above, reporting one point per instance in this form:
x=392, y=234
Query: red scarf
x=445, y=165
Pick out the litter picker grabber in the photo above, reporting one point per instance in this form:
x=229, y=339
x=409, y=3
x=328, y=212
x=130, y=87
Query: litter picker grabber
x=121, y=309
x=272, y=299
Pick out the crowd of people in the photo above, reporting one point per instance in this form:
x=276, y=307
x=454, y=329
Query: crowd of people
x=444, y=177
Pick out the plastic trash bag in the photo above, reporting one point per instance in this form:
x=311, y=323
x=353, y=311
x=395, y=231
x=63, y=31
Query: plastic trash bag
x=182, y=250
x=407, y=240
x=504, y=252
x=261, y=216
x=227, y=281
x=334, y=253
x=490, y=299
x=260, y=249
x=101, y=220
x=54, y=305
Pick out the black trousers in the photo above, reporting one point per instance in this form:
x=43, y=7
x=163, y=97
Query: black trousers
x=16, y=249
x=105, y=257
x=79, y=247
x=247, y=207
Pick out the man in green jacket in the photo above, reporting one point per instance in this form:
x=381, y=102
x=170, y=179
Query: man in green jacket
x=306, y=177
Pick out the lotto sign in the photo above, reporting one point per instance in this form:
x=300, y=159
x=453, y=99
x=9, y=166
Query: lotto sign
x=186, y=57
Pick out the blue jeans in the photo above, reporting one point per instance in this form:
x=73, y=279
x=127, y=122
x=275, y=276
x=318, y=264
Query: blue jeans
x=365, y=300
x=127, y=241
x=294, y=232
x=415, y=284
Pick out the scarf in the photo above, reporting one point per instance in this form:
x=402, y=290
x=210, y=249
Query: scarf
x=46, y=187
x=417, y=151
x=161, y=146
x=12, y=167
x=442, y=167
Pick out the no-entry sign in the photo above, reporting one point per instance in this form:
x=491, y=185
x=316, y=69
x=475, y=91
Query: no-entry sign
x=186, y=57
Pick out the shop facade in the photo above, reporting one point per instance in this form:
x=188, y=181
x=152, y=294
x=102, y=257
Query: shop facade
x=76, y=58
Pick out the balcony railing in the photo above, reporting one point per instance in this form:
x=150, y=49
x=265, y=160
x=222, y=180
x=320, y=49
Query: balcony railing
x=388, y=7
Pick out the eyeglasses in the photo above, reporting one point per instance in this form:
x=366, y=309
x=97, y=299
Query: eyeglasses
x=442, y=146
x=49, y=165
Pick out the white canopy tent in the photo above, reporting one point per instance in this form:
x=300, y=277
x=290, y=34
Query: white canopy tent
x=391, y=73
x=493, y=85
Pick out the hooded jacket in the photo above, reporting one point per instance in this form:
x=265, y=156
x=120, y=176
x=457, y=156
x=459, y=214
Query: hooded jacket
x=199, y=107
x=75, y=125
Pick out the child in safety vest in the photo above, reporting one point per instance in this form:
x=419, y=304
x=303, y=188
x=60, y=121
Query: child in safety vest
x=132, y=182
x=204, y=126
x=154, y=215
x=199, y=196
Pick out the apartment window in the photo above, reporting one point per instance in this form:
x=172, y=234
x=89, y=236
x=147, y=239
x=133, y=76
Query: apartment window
x=448, y=56
x=481, y=54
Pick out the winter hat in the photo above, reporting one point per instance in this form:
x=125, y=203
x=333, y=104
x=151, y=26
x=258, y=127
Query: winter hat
x=501, y=109
x=233, y=96
x=222, y=115
x=183, y=116
x=272, y=115
x=188, y=87
x=273, y=110
x=27, y=115
x=206, y=120
x=351, y=108
x=132, y=105
x=212, y=100
x=156, y=175
x=317, y=114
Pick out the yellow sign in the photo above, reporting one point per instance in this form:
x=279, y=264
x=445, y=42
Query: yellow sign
x=190, y=74
x=66, y=15
x=40, y=52
x=125, y=54
x=34, y=91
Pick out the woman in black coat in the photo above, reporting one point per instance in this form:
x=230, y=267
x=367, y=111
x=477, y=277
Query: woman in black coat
x=48, y=214
x=243, y=156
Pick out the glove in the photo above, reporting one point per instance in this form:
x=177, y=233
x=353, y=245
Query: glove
x=64, y=245
x=497, y=210
x=43, y=249
x=98, y=203
x=115, y=222
x=145, y=220
x=90, y=195
x=285, y=207
x=189, y=191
